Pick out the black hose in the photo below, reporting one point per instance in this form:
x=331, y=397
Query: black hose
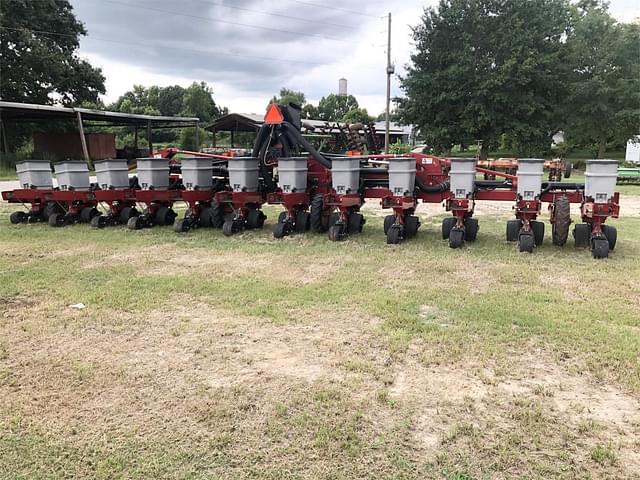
x=441, y=187
x=298, y=139
x=493, y=184
x=547, y=186
x=260, y=138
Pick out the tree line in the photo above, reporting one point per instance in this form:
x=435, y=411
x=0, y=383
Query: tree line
x=518, y=72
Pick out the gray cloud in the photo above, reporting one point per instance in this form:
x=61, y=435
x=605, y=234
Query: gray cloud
x=181, y=40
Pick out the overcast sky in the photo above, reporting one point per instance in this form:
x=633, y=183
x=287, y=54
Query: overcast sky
x=248, y=49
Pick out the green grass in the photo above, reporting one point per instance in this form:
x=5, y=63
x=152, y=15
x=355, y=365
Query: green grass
x=8, y=173
x=201, y=356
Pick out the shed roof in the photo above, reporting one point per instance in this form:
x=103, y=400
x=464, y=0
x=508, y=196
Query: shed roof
x=29, y=112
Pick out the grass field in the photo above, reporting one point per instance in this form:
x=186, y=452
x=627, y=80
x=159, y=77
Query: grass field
x=200, y=356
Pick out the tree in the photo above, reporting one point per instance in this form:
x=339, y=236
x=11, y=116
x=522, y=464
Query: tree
x=357, y=115
x=170, y=100
x=603, y=104
x=334, y=107
x=487, y=67
x=289, y=96
x=37, y=67
x=198, y=102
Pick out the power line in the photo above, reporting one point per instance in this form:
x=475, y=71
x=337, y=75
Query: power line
x=207, y=52
x=281, y=15
x=197, y=17
x=355, y=12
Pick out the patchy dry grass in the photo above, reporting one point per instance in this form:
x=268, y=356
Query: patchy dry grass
x=200, y=356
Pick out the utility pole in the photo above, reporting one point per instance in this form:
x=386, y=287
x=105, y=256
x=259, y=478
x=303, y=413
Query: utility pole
x=390, y=71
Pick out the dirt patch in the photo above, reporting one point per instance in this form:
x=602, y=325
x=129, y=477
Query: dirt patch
x=464, y=404
x=147, y=372
x=153, y=260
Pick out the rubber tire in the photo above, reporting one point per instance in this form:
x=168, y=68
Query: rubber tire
x=319, y=221
x=54, y=220
x=568, y=168
x=50, y=208
x=181, y=225
x=18, y=217
x=388, y=221
x=611, y=233
x=513, y=230
x=561, y=221
x=411, y=225
x=229, y=227
x=333, y=219
x=87, y=213
x=456, y=238
x=582, y=235
x=526, y=242
x=165, y=216
x=447, y=225
x=99, y=221
x=355, y=222
x=394, y=235
x=126, y=213
x=282, y=217
x=303, y=221
x=600, y=247
x=134, y=223
x=538, y=231
x=471, y=227
x=280, y=230
x=214, y=215
x=255, y=219
x=205, y=216
x=336, y=232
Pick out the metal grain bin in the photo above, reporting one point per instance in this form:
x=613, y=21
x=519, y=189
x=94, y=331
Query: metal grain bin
x=292, y=174
x=600, y=180
x=530, y=173
x=112, y=173
x=197, y=173
x=462, y=177
x=402, y=176
x=243, y=174
x=153, y=173
x=72, y=175
x=34, y=174
x=345, y=175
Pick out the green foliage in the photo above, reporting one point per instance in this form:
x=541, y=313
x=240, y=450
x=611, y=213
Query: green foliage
x=333, y=107
x=289, y=96
x=188, y=138
x=603, y=105
x=37, y=66
x=511, y=74
x=487, y=67
x=399, y=148
x=198, y=102
x=357, y=115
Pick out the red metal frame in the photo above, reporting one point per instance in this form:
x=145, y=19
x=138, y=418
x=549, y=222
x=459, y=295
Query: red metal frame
x=72, y=201
x=116, y=199
x=596, y=214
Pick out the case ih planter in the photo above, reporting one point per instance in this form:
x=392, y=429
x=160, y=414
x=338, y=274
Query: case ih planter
x=526, y=230
x=244, y=199
x=293, y=194
x=461, y=203
x=324, y=192
x=72, y=201
x=114, y=191
x=153, y=178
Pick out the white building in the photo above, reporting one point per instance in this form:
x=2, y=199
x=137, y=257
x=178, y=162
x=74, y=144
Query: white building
x=633, y=150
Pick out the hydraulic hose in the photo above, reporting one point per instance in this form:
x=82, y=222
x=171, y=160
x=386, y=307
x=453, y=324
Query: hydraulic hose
x=296, y=138
x=546, y=186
